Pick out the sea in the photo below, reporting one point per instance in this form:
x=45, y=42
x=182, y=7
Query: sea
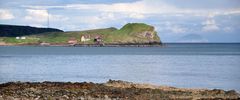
x=193, y=65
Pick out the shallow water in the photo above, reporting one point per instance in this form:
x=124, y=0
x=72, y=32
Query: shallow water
x=180, y=65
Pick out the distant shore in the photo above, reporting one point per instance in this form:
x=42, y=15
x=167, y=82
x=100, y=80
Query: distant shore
x=105, y=91
x=92, y=45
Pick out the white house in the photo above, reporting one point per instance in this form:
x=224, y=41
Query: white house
x=23, y=38
x=84, y=38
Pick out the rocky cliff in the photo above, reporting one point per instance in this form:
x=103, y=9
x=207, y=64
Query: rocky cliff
x=136, y=33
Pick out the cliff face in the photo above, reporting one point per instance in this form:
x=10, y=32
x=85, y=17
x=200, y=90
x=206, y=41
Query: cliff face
x=138, y=33
x=13, y=30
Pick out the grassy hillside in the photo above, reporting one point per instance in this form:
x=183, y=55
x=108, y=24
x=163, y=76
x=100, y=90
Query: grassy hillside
x=129, y=33
x=133, y=33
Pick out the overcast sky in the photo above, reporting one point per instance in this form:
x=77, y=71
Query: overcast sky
x=204, y=20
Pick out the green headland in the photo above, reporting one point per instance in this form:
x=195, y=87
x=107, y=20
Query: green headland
x=129, y=34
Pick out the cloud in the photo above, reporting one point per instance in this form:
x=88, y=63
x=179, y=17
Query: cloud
x=143, y=7
x=36, y=15
x=228, y=29
x=170, y=27
x=136, y=16
x=210, y=25
x=6, y=14
x=107, y=16
x=97, y=15
x=177, y=29
x=101, y=18
x=41, y=16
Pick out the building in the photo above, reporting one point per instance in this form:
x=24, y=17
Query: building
x=23, y=38
x=85, y=38
x=72, y=41
x=98, y=40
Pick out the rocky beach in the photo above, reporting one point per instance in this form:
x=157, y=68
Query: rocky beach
x=116, y=90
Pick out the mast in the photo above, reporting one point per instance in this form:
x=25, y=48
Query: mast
x=47, y=19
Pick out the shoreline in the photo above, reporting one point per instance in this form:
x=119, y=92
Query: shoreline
x=90, y=45
x=113, y=89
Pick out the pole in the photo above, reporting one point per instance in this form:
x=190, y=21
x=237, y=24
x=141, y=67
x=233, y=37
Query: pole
x=47, y=19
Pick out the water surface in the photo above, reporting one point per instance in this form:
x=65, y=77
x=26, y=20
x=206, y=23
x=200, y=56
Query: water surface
x=180, y=65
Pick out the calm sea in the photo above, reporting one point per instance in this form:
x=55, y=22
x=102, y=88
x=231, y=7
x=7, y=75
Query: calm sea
x=180, y=65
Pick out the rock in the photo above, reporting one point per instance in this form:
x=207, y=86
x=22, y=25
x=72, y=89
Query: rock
x=37, y=98
x=65, y=96
x=106, y=97
x=107, y=91
x=1, y=97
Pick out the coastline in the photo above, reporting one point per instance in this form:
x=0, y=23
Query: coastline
x=91, y=45
x=112, y=89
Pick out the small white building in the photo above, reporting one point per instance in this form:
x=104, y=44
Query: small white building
x=23, y=38
x=84, y=38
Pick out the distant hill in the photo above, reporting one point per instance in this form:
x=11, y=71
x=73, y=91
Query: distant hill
x=14, y=30
x=131, y=33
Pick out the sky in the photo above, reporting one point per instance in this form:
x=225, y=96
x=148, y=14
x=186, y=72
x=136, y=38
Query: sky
x=174, y=20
